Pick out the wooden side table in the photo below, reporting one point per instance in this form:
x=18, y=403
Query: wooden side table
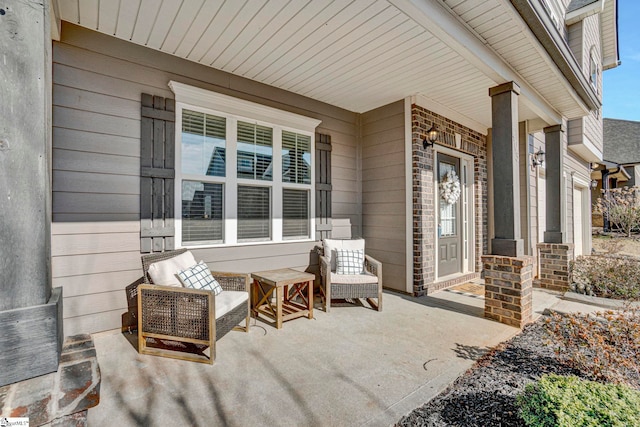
x=285, y=308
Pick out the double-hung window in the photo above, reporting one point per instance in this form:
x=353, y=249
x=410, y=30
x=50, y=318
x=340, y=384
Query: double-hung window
x=244, y=171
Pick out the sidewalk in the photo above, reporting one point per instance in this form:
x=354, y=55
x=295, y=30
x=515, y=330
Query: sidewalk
x=354, y=366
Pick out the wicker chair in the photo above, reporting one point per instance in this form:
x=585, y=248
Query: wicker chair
x=186, y=315
x=367, y=285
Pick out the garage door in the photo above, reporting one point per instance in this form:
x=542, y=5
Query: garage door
x=578, y=232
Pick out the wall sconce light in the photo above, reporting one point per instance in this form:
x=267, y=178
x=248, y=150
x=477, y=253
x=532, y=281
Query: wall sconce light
x=594, y=184
x=432, y=136
x=537, y=159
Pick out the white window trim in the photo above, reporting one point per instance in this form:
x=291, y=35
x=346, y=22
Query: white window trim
x=234, y=110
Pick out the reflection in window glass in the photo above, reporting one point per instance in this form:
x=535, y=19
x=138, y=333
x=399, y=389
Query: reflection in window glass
x=295, y=213
x=255, y=151
x=202, y=212
x=448, y=213
x=203, y=144
x=254, y=213
x=296, y=158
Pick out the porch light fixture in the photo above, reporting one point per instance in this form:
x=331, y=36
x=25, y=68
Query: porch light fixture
x=594, y=184
x=537, y=159
x=432, y=136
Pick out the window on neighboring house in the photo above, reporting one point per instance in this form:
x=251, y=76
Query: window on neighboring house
x=241, y=179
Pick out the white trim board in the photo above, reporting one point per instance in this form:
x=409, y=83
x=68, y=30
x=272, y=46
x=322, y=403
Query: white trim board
x=408, y=177
x=192, y=95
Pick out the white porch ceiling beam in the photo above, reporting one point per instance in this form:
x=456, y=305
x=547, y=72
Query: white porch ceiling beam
x=437, y=20
x=56, y=25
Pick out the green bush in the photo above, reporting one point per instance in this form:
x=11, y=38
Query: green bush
x=559, y=401
x=607, y=276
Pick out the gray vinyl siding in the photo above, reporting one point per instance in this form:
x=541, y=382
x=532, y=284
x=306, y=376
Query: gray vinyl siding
x=383, y=191
x=525, y=189
x=575, y=167
x=583, y=36
x=593, y=121
x=537, y=209
x=574, y=34
x=98, y=82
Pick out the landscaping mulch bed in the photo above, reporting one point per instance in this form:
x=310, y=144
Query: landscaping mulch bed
x=485, y=395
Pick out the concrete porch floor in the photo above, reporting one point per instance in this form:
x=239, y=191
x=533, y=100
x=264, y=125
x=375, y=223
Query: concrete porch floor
x=353, y=366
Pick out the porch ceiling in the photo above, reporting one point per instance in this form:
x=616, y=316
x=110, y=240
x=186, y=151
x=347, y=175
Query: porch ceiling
x=357, y=55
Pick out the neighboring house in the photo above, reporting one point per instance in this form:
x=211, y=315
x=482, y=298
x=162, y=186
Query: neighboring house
x=620, y=166
x=344, y=91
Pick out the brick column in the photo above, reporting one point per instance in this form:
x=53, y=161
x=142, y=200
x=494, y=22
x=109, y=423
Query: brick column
x=554, y=262
x=508, y=289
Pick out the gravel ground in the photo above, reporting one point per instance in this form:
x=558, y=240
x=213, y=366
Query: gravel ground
x=485, y=395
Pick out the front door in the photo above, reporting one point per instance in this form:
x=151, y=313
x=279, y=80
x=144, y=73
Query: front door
x=449, y=215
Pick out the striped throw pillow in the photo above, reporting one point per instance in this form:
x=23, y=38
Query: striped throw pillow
x=199, y=277
x=349, y=261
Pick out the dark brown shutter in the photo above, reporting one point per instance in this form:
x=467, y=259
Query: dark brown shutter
x=323, y=186
x=157, y=159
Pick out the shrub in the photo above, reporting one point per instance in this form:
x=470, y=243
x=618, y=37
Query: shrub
x=607, y=276
x=605, y=346
x=560, y=401
x=622, y=207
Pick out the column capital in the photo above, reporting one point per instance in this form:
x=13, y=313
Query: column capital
x=505, y=87
x=554, y=128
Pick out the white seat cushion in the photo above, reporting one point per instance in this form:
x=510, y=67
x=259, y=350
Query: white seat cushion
x=165, y=272
x=228, y=300
x=330, y=246
x=354, y=279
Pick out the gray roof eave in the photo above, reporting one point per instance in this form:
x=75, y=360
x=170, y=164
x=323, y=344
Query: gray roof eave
x=579, y=4
x=537, y=19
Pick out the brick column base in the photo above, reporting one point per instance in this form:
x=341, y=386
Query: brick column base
x=554, y=259
x=508, y=296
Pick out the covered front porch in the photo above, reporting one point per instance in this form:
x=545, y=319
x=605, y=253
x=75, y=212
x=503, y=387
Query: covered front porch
x=81, y=221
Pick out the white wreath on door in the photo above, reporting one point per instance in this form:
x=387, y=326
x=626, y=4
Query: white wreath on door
x=450, y=187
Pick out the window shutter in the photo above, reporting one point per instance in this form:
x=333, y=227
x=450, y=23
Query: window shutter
x=323, y=186
x=157, y=160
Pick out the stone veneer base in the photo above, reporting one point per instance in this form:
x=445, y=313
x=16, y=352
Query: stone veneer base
x=62, y=397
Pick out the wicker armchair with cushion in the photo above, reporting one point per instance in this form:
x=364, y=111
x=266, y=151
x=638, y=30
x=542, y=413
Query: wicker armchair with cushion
x=347, y=273
x=167, y=311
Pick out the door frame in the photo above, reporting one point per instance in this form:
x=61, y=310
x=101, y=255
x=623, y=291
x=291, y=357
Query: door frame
x=469, y=236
